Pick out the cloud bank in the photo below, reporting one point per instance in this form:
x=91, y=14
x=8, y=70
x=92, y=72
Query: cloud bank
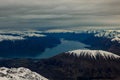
x=50, y=14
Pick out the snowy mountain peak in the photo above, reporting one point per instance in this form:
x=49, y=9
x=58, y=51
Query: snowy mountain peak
x=93, y=54
x=19, y=74
x=114, y=35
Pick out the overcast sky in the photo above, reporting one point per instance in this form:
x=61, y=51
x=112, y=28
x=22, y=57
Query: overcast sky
x=55, y=14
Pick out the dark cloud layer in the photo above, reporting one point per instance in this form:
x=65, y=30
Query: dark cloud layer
x=47, y=14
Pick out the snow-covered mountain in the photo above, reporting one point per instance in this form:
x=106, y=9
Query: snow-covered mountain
x=85, y=65
x=18, y=35
x=71, y=65
x=19, y=74
x=114, y=35
x=93, y=54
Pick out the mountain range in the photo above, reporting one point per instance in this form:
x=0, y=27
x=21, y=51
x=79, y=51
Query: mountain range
x=101, y=61
x=73, y=65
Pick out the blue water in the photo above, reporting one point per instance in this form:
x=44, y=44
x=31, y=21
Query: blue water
x=63, y=47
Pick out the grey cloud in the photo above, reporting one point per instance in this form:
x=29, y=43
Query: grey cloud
x=31, y=13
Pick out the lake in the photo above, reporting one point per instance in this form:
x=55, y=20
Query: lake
x=65, y=45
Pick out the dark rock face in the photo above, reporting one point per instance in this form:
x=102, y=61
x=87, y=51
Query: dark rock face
x=103, y=44
x=80, y=68
x=115, y=48
x=69, y=67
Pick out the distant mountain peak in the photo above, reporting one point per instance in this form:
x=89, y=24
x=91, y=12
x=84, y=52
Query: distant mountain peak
x=93, y=54
x=114, y=35
x=19, y=74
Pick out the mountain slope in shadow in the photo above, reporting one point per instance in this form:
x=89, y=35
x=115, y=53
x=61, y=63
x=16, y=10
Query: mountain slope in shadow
x=73, y=65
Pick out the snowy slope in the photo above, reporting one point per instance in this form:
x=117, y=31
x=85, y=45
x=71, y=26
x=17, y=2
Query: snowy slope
x=10, y=37
x=93, y=54
x=114, y=35
x=19, y=74
x=18, y=35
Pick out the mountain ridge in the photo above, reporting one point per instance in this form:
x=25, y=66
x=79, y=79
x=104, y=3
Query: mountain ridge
x=70, y=67
x=19, y=74
x=93, y=54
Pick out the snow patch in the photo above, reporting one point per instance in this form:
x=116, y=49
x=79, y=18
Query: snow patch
x=10, y=37
x=33, y=35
